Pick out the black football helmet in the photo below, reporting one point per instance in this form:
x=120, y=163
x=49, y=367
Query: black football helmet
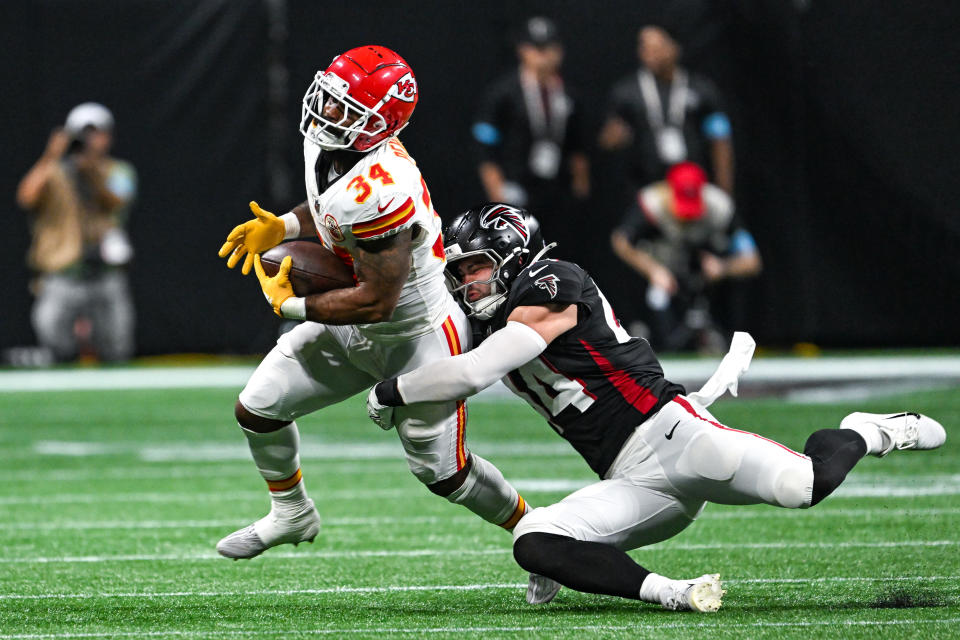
x=510, y=237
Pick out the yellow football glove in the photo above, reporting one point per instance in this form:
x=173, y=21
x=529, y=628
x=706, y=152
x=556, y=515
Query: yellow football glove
x=254, y=236
x=278, y=288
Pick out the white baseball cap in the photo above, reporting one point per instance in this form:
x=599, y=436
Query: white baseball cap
x=89, y=114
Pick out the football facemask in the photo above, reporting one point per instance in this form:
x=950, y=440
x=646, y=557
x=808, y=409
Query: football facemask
x=482, y=308
x=355, y=119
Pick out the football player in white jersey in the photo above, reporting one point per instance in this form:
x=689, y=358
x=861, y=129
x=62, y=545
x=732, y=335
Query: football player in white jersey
x=554, y=340
x=369, y=205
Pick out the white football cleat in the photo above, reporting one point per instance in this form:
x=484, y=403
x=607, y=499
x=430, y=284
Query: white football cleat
x=541, y=589
x=703, y=594
x=905, y=430
x=271, y=530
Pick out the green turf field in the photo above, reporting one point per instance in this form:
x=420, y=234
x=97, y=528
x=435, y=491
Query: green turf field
x=111, y=503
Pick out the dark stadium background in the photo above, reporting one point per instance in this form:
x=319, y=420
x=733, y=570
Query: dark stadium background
x=845, y=118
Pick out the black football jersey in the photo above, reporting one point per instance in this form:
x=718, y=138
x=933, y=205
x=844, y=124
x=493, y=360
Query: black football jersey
x=595, y=383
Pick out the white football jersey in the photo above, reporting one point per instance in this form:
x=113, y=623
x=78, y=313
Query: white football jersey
x=381, y=195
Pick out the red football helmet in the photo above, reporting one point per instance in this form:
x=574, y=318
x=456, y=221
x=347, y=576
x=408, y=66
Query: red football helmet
x=365, y=96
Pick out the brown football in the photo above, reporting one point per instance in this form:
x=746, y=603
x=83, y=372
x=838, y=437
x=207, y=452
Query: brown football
x=315, y=269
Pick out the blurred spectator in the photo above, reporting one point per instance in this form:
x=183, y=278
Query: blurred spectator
x=78, y=197
x=682, y=236
x=528, y=129
x=666, y=115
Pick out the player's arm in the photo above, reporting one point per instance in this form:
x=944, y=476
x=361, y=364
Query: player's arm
x=300, y=224
x=527, y=333
x=381, y=266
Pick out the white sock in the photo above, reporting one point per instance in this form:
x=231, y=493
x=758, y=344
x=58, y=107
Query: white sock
x=871, y=434
x=485, y=492
x=652, y=587
x=277, y=456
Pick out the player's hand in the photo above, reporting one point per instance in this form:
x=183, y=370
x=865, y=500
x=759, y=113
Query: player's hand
x=278, y=288
x=379, y=413
x=264, y=232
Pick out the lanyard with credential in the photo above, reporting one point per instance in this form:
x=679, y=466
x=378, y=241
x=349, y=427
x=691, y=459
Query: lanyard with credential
x=536, y=114
x=651, y=97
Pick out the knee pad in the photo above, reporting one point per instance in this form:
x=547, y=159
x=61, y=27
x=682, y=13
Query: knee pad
x=707, y=456
x=444, y=488
x=258, y=424
x=793, y=485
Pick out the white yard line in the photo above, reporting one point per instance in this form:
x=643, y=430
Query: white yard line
x=203, y=496
x=685, y=371
x=868, y=487
x=310, y=449
x=540, y=630
x=384, y=553
x=708, y=516
x=166, y=471
x=416, y=588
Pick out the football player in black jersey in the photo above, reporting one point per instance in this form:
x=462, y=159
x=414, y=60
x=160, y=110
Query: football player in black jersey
x=553, y=338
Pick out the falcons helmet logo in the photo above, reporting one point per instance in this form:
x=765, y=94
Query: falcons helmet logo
x=503, y=217
x=548, y=283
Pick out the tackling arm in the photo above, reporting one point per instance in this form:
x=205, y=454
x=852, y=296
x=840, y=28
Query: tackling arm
x=528, y=332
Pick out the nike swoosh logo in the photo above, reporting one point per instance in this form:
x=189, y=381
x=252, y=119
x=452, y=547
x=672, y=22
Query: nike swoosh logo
x=533, y=273
x=903, y=415
x=668, y=436
x=382, y=209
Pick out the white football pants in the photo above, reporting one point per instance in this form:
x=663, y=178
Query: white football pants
x=315, y=365
x=673, y=464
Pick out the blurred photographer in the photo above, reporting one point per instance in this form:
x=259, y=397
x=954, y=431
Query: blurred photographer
x=78, y=197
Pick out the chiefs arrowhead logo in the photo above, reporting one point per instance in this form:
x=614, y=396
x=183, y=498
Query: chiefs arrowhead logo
x=548, y=283
x=405, y=88
x=331, y=224
x=503, y=217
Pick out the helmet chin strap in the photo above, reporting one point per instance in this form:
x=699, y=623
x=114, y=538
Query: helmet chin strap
x=543, y=251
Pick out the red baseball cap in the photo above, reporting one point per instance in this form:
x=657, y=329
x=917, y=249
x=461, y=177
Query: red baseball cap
x=686, y=181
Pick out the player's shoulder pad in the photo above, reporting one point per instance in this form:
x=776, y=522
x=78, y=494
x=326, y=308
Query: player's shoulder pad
x=389, y=185
x=548, y=282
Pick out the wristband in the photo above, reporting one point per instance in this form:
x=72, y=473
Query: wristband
x=294, y=308
x=291, y=225
x=388, y=393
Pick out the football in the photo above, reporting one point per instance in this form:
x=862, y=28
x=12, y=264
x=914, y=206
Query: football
x=315, y=269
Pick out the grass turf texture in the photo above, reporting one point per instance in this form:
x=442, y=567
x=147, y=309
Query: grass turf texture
x=111, y=503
